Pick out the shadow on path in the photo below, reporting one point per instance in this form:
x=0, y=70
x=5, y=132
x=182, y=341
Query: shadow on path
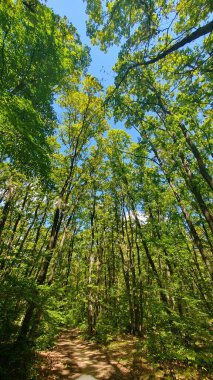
x=76, y=359
x=73, y=358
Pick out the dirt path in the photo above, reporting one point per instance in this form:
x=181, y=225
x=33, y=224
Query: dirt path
x=73, y=358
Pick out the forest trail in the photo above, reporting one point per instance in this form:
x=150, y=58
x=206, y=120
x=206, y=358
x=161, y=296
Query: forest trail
x=74, y=358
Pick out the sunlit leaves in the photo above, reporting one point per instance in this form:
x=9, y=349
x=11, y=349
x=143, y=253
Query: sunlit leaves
x=40, y=52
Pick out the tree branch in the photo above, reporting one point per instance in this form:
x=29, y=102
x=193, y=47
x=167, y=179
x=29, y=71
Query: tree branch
x=202, y=31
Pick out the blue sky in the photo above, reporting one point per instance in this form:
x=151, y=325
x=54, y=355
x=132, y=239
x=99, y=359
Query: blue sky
x=102, y=63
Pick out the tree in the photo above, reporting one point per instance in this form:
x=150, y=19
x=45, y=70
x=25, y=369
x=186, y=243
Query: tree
x=39, y=52
x=83, y=119
x=122, y=239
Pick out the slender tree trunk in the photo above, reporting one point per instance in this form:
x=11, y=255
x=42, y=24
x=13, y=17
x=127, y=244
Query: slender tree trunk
x=6, y=209
x=91, y=264
x=140, y=283
x=29, y=229
x=125, y=271
x=192, y=146
x=18, y=218
x=192, y=184
x=192, y=229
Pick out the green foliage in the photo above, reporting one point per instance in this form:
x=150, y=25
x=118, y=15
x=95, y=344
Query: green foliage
x=15, y=292
x=104, y=332
x=54, y=319
x=39, y=53
x=118, y=239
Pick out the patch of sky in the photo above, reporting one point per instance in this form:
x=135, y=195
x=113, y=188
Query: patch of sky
x=102, y=63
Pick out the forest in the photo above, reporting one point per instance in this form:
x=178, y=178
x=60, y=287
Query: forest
x=102, y=236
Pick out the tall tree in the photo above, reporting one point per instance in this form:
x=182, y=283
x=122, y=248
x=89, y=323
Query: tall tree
x=39, y=52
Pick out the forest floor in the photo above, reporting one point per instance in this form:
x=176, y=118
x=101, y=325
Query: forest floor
x=75, y=358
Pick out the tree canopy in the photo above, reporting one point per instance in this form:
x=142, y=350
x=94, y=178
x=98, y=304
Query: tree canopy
x=40, y=52
x=98, y=231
